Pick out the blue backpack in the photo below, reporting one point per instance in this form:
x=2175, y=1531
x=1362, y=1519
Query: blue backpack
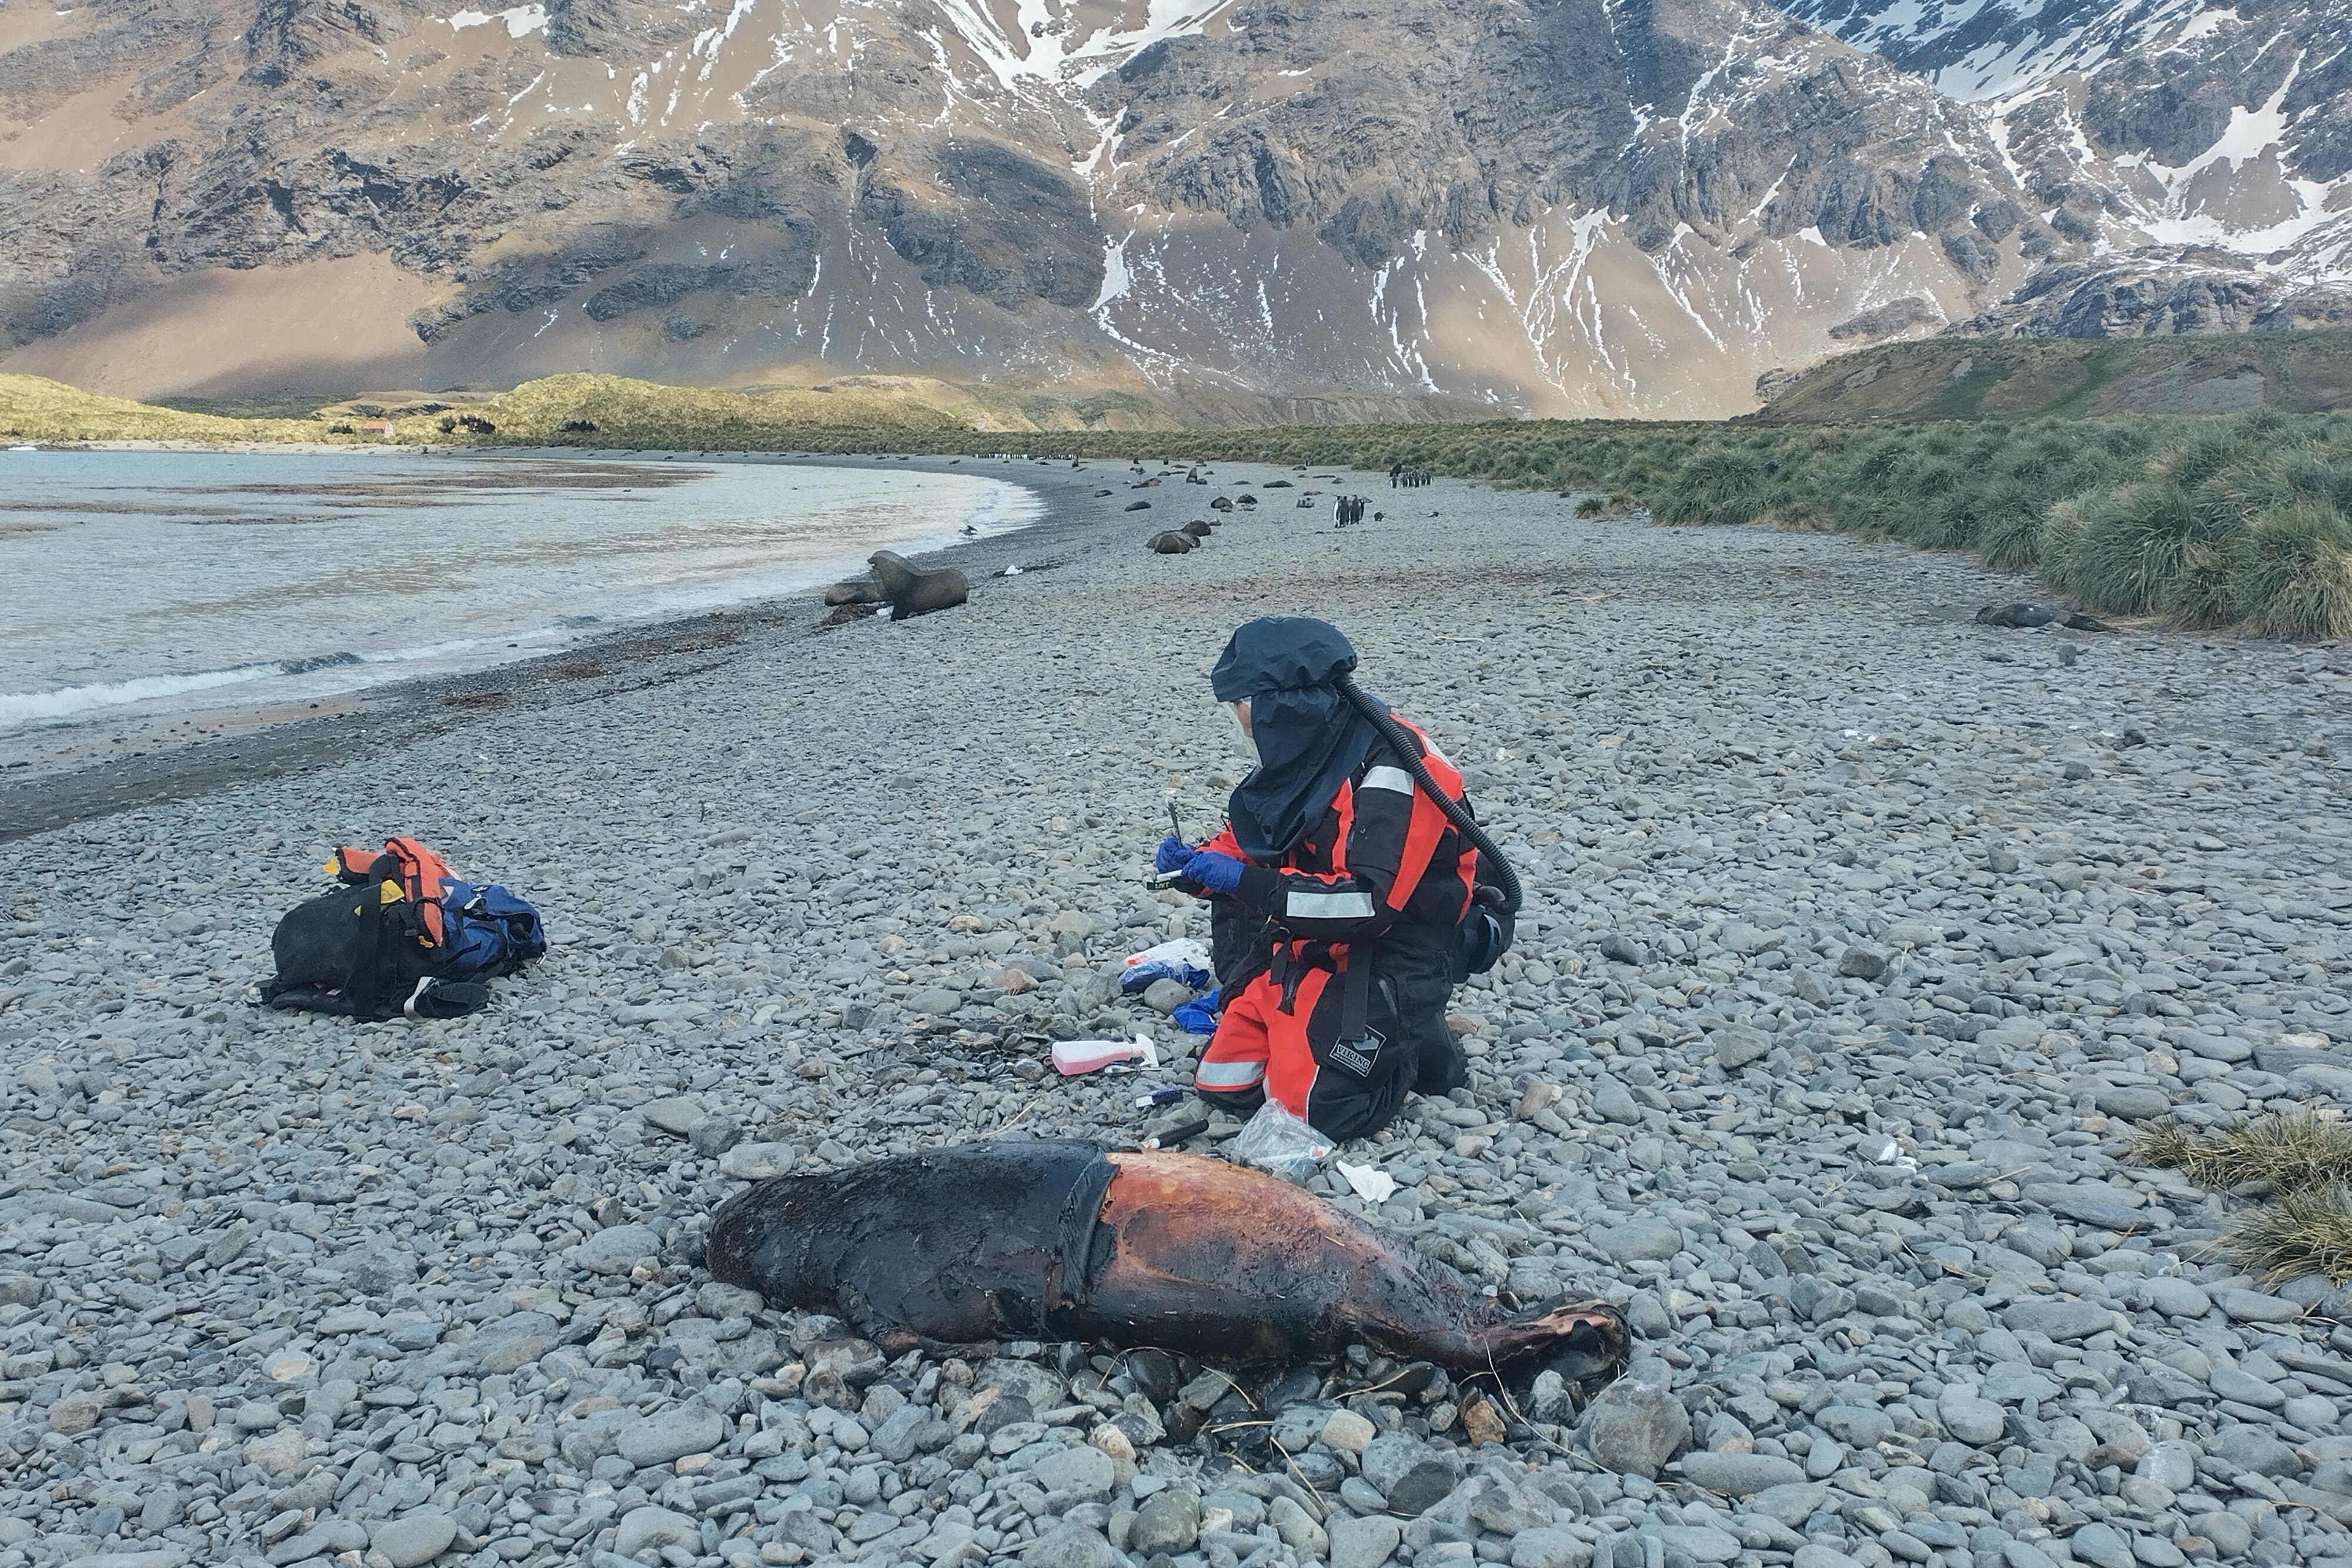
x=486, y=931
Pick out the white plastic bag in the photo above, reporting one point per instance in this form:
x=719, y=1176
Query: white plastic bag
x=1276, y=1141
x=1371, y=1183
x=1183, y=959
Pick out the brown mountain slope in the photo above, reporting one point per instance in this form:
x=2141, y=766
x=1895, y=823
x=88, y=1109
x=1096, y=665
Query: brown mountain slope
x=1555, y=205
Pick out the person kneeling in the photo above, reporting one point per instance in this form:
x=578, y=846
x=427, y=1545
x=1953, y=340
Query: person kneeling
x=1338, y=896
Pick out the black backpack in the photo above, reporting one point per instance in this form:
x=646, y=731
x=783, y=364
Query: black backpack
x=357, y=953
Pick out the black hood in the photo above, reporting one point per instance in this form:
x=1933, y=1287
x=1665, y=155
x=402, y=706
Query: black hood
x=1309, y=738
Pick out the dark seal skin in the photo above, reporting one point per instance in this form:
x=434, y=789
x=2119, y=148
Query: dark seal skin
x=856, y=591
x=913, y=592
x=2016, y=616
x=1067, y=1241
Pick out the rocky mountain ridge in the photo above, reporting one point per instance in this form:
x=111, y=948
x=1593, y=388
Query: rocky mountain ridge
x=2202, y=153
x=1562, y=207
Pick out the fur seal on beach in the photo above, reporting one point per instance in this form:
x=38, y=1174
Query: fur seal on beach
x=1220, y=504
x=2016, y=617
x=1172, y=541
x=1198, y=530
x=913, y=592
x=1049, y=1239
x=856, y=591
x=1137, y=507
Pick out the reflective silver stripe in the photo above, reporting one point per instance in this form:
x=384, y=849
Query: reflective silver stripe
x=1395, y=778
x=1329, y=906
x=1229, y=1074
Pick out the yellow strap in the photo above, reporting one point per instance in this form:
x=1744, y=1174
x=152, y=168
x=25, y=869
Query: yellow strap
x=389, y=892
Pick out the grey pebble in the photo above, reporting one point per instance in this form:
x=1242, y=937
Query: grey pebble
x=672, y=1435
x=1740, y=1475
x=414, y=1538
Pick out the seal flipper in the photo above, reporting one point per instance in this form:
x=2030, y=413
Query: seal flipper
x=889, y=1335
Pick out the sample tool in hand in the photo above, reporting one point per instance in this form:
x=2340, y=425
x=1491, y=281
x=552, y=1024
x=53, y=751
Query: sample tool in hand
x=1169, y=878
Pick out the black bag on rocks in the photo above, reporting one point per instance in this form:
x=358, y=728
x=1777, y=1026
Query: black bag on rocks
x=358, y=953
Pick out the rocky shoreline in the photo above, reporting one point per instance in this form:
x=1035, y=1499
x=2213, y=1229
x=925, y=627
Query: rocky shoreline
x=1860, y=938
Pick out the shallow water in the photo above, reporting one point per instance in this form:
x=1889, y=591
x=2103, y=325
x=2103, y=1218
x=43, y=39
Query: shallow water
x=141, y=584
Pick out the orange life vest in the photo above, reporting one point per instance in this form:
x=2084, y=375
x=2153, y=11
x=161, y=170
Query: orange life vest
x=421, y=875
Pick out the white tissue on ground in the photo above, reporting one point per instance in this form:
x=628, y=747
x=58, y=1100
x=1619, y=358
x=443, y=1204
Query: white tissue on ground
x=1373, y=1183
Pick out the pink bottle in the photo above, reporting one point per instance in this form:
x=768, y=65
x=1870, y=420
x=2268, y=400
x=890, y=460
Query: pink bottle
x=1072, y=1057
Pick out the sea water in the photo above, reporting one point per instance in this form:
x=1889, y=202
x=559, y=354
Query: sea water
x=137, y=584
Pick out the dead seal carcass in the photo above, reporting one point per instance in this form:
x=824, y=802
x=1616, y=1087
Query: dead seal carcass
x=855, y=591
x=914, y=592
x=1059, y=1240
x=2016, y=617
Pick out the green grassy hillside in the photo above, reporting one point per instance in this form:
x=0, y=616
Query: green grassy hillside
x=600, y=410
x=2028, y=378
x=33, y=408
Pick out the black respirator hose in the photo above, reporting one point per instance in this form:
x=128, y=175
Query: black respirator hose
x=1406, y=747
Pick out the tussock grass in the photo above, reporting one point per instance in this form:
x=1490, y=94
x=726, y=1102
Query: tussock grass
x=1725, y=484
x=2294, y=1152
x=2306, y=1226
x=2292, y=571
x=2301, y=1234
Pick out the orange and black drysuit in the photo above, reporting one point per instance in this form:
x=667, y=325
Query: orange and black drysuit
x=1334, y=954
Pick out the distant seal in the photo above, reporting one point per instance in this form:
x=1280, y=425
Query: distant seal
x=913, y=592
x=1172, y=541
x=2017, y=617
x=1137, y=507
x=1198, y=530
x=1220, y=504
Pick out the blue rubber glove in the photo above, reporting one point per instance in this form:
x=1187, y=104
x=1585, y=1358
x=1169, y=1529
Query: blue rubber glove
x=1198, y=1016
x=1173, y=852
x=1213, y=873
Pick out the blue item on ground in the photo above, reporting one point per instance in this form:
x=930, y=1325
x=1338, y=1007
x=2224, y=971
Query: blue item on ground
x=1138, y=977
x=1198, y=1016
x=486, y=930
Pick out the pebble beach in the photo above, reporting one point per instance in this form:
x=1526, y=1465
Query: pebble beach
x=1861, y=939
